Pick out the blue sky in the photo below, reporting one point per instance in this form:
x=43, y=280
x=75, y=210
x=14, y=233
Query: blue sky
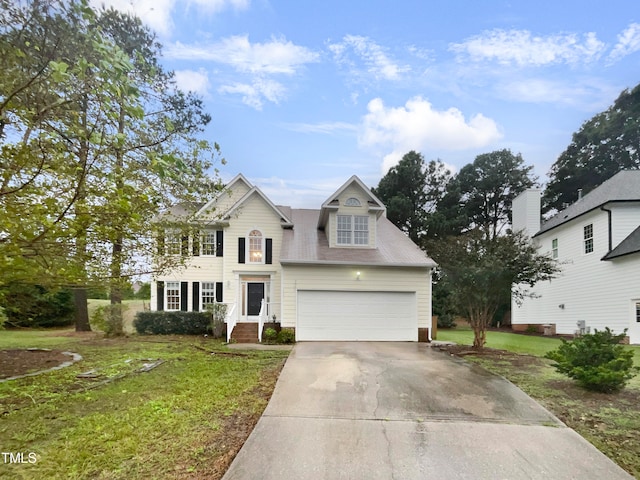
x=304, y=94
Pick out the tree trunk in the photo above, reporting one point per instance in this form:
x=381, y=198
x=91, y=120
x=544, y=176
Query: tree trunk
x=81, y=310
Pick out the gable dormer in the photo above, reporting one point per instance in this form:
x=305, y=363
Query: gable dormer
x=349, y=216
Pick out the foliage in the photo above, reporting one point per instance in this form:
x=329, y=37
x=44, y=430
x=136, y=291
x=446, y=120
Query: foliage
x=28, y=305
x=481, y=273
x=286, y=336
x=172, y=323
x=218, y=312
x=270, y=335
x=109, y=319
x=596, y=361
x=480, y=195
x=3, y=317
x=446, y=321
x=411, y=192
x=604, y=145
x=144, y=293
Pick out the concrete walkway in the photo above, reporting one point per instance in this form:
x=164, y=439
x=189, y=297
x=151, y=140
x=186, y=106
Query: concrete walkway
x=404, y=411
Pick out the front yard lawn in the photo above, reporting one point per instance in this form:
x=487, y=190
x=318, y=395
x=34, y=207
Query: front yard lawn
x=185, y=418
x=609, y=421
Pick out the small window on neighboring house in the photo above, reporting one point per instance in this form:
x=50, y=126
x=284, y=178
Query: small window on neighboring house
x=255, y=247
x=588, y=238
x=352, y=202
x=209, y=243
x=173, y=244
x=208, y=293
x=554, y=248
x=172, y=295
x=638, y=312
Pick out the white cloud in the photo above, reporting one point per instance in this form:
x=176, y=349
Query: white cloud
x=628, y=42
x=257, y=92
x=277, y=56
x=376, y=61
x=158, y=14
x=328, y=128
x=522, y=48
x=192, y=81
x=418, y=126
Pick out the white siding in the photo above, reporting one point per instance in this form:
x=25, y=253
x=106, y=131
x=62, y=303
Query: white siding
x=526, y=212
x=599, y=292
x=344, y=278
x=625, y=218
x=352, y=191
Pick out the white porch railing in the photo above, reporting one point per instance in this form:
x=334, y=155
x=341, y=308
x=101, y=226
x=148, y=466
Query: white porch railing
x=262, y=317
x=231, y=320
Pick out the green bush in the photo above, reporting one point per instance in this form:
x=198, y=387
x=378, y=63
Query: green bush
x=596, y=361
x=109, y=319
x=286, y=336
x=172, y=323
x=218, y=312
x=446, y=321
x=270, y=335
x=27, y=305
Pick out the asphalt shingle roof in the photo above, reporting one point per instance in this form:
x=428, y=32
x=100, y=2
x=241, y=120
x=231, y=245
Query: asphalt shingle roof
x=306, y=244
x=631, y=244
x=624, y=186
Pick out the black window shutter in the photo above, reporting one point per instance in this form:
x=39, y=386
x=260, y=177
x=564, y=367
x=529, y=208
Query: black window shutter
x=241, y=250
x=218, y=291
x=196, y=243
x=269, y=248
x=160, y=296
x=184, y=290
x=185, y=245
x=195, y=296
x=161, y=242
x=219, y=243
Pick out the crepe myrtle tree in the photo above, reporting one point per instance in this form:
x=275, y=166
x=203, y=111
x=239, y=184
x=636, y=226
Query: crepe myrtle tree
x=481, y=272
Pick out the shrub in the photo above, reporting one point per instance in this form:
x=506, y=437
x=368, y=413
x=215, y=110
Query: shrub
x=172, y=323
x=596, y=361
x=109, y=319
x=286, y=336
x=29, y=305
x=218, y=312
x=270, y=335
x=446, y=321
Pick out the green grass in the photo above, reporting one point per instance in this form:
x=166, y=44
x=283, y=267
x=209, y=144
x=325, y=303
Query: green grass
x=174, y=421
x=513, y=342
x=10, y=339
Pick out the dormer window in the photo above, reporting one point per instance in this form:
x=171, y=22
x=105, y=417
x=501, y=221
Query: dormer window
x=255, y=246
x=353, y=230
x=352, y=202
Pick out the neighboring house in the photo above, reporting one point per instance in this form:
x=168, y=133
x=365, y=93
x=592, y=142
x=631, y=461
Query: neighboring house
x=597, y=242
x=343, y=272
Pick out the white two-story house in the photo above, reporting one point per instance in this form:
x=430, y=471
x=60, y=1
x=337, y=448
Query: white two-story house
x=340, y=272
x=597, y=242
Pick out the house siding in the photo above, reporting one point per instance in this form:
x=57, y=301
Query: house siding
x=353, y=191
x=332, y=277
x=598, y=292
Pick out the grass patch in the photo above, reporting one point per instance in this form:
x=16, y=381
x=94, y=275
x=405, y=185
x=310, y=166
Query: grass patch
x=608, y=421
x=186, y=418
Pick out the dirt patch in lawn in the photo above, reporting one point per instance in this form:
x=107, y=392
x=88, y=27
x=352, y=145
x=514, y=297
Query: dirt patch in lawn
x=20, y=362
x=608, y=421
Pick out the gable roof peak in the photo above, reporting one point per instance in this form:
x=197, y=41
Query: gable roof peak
x=332, y=203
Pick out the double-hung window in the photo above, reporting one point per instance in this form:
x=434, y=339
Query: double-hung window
x=554, y=248
x=588, y=238
x=173, y=295
x=255, y=247
x=173, y=243
x=208, y=294
x=637, y=312
x=353, y=230
x=209, y=243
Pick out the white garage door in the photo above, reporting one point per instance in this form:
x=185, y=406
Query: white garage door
x=365, y=316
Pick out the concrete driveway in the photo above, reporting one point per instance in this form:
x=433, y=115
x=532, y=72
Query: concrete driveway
x=345, y=410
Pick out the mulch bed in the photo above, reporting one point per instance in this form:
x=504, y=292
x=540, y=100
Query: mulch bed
x=19, y=362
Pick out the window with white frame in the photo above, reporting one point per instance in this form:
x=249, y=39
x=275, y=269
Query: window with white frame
x=208, y=243
x=588, y=238
x=173, y=243
x=554, y=248
x=208, y=293
x=637, y=312
x=353, y=230
x=256, y=247
x=352, y=202
x=172, y=295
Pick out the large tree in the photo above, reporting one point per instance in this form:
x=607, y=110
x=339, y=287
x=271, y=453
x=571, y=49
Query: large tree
x=481, y=273
x=411, y=191
x=604, y=145
x=96, y=139
x=481, y=193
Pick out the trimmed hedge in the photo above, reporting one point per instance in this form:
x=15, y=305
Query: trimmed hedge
x=172, y=323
